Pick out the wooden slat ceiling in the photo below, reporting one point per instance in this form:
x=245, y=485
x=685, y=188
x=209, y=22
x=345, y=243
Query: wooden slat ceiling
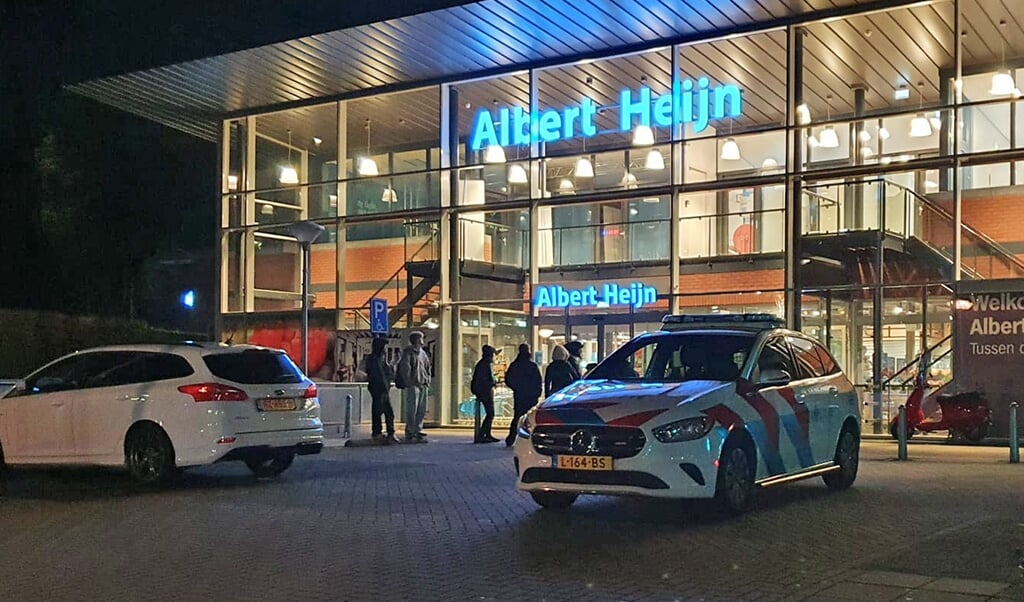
x=880, y=50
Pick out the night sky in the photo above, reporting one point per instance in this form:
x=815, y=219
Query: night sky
x=89, y=194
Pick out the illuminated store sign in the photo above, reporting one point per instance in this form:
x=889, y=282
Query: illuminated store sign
x=636, y=294
x=688, y=103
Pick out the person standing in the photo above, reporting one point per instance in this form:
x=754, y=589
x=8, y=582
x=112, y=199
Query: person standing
x=575, y=350
x=523, y=377
x=559, y=373
x=380, y=386
x=414, y=371
x=482, y=386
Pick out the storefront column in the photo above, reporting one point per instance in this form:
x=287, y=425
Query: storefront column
x=675, y=212
x=249, y=251
x=794, y=184
x=340, y=191
x=538, y=175
x=448, y=258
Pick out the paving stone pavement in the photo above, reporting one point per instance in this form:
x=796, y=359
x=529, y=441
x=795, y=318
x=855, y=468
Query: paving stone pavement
x=443, y=522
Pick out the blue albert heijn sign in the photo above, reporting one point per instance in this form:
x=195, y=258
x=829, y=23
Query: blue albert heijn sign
x=379, y=316
x=636, y=295
x=689, y=102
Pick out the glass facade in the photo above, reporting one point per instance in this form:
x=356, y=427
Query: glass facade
x=844, y=173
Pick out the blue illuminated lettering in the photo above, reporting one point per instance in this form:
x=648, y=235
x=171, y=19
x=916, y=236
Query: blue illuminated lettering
x=687, y=103
x=636, y=295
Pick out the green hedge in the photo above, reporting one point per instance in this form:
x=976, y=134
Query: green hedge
x=29, y=339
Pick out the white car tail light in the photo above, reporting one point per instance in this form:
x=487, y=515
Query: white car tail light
x=213, y=392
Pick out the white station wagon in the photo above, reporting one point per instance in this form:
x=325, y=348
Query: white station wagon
x=155, y=409
x=708, y=407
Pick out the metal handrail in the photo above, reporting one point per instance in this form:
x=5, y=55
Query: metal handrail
x=1000, y=250
x=730, y=214
x=401, y=268
x=948, y=338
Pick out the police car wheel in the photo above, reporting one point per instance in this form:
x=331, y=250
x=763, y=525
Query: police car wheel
x=735, y=489
x=553, y=499
x=848, y=459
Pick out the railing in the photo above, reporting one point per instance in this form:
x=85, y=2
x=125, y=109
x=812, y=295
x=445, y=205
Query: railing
x=420, y=253
x=896, y=388
x=898, y=210
x=738, y=233
x=617, y=242
x=508, y=245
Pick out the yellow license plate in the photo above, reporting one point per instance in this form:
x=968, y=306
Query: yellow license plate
x=277, y=405
x=582, y=462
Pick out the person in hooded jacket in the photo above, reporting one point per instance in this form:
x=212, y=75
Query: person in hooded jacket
x=559, y=373
x=523, y=377
x=482, y=386
x=575, y=351
x=380, y=385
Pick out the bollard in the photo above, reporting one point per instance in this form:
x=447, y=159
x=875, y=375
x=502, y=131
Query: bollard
x=1014, y=441
x=476, y=421
x=348, y=416
x=902, y=432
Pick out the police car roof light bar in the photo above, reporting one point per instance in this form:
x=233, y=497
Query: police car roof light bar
x=760, y=320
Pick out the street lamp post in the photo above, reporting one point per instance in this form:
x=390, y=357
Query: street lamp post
x=305, y=233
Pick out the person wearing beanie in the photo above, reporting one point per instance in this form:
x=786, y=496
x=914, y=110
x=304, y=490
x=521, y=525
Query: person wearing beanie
x=559, y=373
x=523, y=377
x=575, y=350
x=482, y=386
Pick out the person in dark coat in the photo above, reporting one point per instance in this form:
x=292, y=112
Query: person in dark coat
x=482, y=386
x=575, y=350
x=559, y=373
x=523, y=377
x=377, y=371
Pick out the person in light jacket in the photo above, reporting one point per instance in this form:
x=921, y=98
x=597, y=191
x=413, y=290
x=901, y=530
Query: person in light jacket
x=523, y=377
x=414, y=372
x=559, y=373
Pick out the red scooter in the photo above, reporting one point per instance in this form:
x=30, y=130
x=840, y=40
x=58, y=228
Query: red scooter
x=964, y=415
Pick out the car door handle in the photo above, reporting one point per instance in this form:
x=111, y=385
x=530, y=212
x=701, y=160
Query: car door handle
x=801, y=398
x=142, y=397
x=833, y=390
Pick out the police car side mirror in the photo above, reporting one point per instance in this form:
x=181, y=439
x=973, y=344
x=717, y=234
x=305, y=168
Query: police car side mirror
x=773, y=377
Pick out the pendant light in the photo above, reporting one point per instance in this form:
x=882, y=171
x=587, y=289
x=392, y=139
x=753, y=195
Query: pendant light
x=655, y=160
x=730, y=150
x=494, y=154
x=1002, y=81
x=517, y=174
x=584, y=168
x=919, y=126
x=643, y=135
x=367, y=166
x=828, y=137
x=565, y=185
x=288, y=174
x=389, y=196
x=803, y=114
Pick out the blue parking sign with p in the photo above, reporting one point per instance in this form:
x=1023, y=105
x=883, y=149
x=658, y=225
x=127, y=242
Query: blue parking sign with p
x=379, y=316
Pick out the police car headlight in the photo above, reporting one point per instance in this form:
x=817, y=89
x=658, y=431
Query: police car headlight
x=526, y=425
x=683, y=430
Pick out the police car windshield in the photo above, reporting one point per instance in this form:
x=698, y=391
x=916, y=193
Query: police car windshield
x=678, y=357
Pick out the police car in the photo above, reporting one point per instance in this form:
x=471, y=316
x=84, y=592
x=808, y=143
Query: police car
x=711, y=406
